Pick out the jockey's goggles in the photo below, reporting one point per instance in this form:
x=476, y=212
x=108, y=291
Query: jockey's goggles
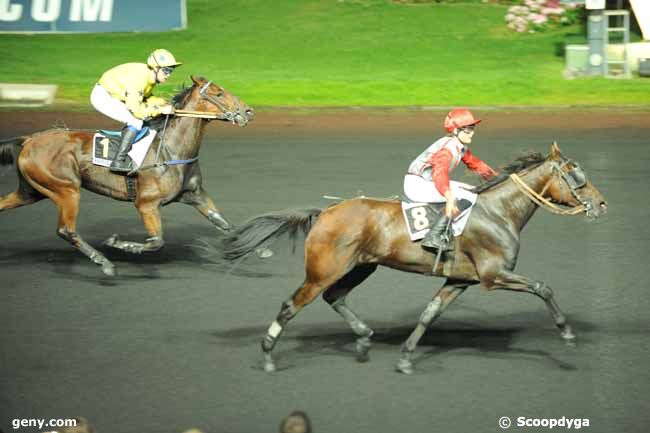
x=468, y=129
x=167, y=70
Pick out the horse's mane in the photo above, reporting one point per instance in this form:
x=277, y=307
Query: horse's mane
x=178, y=101
x=525, y=161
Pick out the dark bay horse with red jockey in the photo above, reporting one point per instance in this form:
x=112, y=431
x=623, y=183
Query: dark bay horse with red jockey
x=57, y=163
x=347, y=241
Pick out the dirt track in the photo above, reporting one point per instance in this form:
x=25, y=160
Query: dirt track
x=173, y=342
x=360, y=121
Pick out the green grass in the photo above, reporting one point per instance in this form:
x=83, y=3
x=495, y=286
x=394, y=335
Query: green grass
x=332, y=53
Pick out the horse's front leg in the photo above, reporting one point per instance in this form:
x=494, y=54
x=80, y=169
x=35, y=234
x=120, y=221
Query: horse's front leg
x=201, y=201
x=150, y=213
x=507, y=280
x=445, y=296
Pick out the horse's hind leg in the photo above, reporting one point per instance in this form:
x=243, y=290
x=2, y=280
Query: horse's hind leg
x=68, y=205
x=324, y=266
x=301, y=297
x=24, y=195
x=16, y=199
x=335, y=296
x=445, y=296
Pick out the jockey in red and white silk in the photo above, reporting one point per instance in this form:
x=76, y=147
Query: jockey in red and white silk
x=427, y=178
x=433, y=166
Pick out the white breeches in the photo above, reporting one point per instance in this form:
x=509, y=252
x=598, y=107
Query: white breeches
x=420, y=190
x=113, y=108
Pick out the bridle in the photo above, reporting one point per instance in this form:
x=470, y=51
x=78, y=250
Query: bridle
x=225, y=113
x=573, y=179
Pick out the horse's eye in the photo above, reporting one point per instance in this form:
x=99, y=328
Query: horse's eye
x=219, y=93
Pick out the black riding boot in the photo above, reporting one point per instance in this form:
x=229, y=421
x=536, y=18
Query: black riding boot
x=438, y=237
x=122, y=162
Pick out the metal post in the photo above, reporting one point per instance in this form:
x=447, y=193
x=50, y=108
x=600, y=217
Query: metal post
x=596, y=34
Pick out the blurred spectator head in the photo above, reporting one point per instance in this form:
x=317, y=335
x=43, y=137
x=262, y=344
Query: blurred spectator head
x=296, y=422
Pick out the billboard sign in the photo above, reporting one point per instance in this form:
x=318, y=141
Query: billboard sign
x=91, y=16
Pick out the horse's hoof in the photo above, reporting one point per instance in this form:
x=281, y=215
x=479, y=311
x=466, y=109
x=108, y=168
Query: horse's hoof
x=269, y=365
x=108, y=269
x=405, y=366
x=567, y=334
x=264, y=253
x=111, y=240
x=363, y=357
x=363, y=347
x=134, y=248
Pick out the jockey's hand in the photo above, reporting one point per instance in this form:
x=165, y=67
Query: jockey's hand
x=451, y=210
x=167, y=109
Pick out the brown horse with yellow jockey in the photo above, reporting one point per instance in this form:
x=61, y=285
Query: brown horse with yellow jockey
x=57, y=163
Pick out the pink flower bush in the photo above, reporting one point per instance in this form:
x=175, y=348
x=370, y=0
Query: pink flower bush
x=539, y=15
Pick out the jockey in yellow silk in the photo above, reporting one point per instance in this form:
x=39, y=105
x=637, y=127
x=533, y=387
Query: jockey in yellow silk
x=124, y=93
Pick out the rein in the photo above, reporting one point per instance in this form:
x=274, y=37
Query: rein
x=197, y=114
x=170, y=162
x=542, y=202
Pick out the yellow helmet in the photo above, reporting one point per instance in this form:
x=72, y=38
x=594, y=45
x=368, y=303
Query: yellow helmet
x=161, y=58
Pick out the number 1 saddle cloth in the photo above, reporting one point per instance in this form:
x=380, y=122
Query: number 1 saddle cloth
x=420, y=217
x=106, y=144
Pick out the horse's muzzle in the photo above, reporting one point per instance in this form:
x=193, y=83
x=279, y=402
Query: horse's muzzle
x=242, y=119
x=595, y=212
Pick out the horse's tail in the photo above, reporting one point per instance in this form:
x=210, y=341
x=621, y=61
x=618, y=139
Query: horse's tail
x=9, y=149
x=262, y=229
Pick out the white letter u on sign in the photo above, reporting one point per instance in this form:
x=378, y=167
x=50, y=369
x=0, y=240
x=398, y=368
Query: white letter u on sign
x=46, y=10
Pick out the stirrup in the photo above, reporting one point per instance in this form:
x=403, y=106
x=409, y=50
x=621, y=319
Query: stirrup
x=438, y=242
x=124, y=166
x=439, y=237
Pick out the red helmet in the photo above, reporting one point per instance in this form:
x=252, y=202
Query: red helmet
x=459, y=118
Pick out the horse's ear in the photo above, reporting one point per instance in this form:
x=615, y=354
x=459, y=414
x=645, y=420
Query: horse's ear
x=197, y=80
x=555, y=151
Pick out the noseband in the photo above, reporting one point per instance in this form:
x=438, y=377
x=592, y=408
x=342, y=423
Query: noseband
x=225, y=113
x=574, y=179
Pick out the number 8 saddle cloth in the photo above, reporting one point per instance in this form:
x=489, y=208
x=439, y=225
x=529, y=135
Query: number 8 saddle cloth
x=420, y=217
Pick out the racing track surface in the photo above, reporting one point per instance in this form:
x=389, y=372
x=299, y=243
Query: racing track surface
x=173, y=342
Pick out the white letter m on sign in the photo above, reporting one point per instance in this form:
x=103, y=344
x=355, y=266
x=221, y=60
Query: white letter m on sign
x=91, y=10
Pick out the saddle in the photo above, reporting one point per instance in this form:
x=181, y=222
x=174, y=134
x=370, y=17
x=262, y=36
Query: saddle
x=420, y=217
x=115, y=136
x=106, y=143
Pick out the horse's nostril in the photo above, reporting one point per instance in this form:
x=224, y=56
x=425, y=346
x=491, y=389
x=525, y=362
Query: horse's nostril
x=249, y=113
